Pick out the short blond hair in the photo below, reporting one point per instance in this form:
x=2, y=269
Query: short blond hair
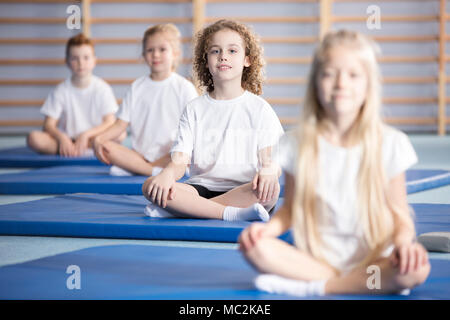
x=173, y=36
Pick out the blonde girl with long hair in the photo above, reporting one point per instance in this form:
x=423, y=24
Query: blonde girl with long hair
x=345, y=191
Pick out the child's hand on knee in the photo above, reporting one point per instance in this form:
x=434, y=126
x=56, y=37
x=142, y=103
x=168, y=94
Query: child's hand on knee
x=266, y=186
x=99, y=150
x=81, y=144
x=158, y=189
x=409, y=257
x=66, y=147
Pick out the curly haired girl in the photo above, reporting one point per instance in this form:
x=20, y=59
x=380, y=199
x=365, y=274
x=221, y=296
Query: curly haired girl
x=252, y=75
x=227, y=135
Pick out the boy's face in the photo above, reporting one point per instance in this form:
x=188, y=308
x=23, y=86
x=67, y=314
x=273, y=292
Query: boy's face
x=81, y=60
x=159, y=55
x=226, y=56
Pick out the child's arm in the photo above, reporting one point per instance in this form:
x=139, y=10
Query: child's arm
x=278, y=224
x=409, y=255
x=82, y=141
x=66, y=147
x=266, y=179
x=158, y=189
x=404, y=231
x=163, y=161
x=113, y=132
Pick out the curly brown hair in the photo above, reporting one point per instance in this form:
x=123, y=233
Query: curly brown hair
x=252, y=76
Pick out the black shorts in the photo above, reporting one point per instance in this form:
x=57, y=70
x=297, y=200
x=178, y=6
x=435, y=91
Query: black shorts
x=208, y=194
x=205, y=192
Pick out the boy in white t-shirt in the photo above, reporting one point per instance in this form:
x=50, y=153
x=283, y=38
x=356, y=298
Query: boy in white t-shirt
x=151, y=109
x=78, y=109
x=227, y=135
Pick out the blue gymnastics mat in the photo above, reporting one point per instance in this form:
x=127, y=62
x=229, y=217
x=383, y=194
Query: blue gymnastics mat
x=172, y=273
x=108, y=216
x=424, y=179
x=96, y=179
x=70, y=179
x=121, y=216
x=416, y=180
x=24, y=157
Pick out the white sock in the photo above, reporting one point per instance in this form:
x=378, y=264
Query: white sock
x=118, y=171
x=405, y=292
x=254, y=212
x=154, y=211
x=156, y=171
x=280, y=285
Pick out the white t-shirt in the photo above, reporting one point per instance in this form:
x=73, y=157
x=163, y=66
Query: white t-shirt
x=79, y=110
x=342, y=236
x=153, y=109
x=223, y=138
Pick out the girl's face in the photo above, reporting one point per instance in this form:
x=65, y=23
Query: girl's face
x=159, y=56
x=81, y=60
x=226, y=56
x=342, y=83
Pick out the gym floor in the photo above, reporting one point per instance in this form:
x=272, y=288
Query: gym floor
x=433, y=152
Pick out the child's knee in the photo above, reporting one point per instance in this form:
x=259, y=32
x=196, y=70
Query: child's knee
x=271, y=203
x=122, y=137
x=109, y=144
x=421, y=275
x=413, y=279
x=110, y=147
x=260, y=252
x=33, y=140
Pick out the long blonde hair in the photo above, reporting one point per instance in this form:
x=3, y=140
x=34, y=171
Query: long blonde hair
x=372, y=205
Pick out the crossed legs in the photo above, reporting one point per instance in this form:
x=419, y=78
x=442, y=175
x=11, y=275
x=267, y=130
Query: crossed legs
x=131, y=160
x=274, y=256
x=188, y=203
